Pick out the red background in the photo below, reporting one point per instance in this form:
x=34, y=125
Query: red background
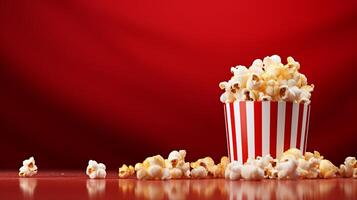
x=118, y=81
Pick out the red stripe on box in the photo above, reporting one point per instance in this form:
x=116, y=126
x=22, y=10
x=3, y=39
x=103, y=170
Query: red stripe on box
x=234, y=137
x=227, y=133
x=258, y=128
x=244, y=133
x=287, y=129
x=298, y=137
x=307, y=127
x=273, y=127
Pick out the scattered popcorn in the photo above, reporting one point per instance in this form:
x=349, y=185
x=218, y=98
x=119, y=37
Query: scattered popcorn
x=233, y=171
x=296, y=153
x=28, y=168
x=287, y=167
x=308, y=168
x=349, y=168
x=177, y=165
x=96, y=170
x=327, y=169
x=199, y=172
x=152, y=168
x=218, y=170
x=292, y=164
x=251, y=172
x=267, y=80
x=316, y=154
x=204, y=164
x=126, y=171
x=267, y=164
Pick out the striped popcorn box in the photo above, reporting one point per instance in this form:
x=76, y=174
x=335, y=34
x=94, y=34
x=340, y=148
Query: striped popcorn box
x=262, y=128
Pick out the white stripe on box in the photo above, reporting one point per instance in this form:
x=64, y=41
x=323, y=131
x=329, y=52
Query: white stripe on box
x=307, y=127
x=266, y=127
x=304, y=116
x=230, y=132
x=250, y=129
x=238, y=131
x=280, y=129
x=294, y=125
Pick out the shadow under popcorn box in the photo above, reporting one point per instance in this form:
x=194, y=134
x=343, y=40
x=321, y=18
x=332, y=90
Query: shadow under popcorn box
x=261, y=128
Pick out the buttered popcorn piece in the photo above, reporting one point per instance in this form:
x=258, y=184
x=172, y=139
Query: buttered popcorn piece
x=96, y=170
x=28, y=168
x=206, y=163
x=287, y=167
x=349, y=168
x=177, y=165
x=126, y=171
x=267, y=80
x=199, y=172
x=308, y=168
x=218, y=170
x=327, y=169
x=252, y=172
x=296, y=153
x=267, y=164
x=233, y=171
x=152, y=168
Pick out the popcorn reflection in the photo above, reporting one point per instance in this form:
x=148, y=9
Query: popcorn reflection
x=28, y=186
x=225, y=189
x=95, y=187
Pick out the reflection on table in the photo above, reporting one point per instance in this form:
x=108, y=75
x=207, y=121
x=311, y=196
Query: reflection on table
x=223, y=189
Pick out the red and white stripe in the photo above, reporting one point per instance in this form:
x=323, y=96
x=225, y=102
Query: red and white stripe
x=262, y=128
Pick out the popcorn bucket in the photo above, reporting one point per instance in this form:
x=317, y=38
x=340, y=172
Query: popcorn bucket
x=261, y=128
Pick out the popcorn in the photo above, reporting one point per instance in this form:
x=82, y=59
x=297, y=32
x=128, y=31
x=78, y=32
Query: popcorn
x=199, y=172
x=152, y=168
x=257, y=67
x=316, y=154
x=233, y=171
x=177, y=165
x=296, y=153
x=228, y=95
x=29, y=168
x=218, y=170
x=241, y=74
x=206, y=163
x=292, y=164
x=176, y=173
x=126, y=171
x=287, y=167
x=327, y=169
x=251, y=172
x=254, y=82
x=245, y=95
x=267, y=164
x=263, y=97
x=308, y=168
x=267, y=80
x=349, y=168
x=96, y=170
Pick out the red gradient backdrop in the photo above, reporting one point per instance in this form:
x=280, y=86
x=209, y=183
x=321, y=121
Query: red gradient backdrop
x=118, y=81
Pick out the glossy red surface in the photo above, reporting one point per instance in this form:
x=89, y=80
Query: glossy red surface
x=75, y=185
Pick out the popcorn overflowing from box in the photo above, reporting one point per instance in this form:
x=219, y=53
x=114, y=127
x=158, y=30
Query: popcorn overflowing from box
x=266, y=80
x=267, y=109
